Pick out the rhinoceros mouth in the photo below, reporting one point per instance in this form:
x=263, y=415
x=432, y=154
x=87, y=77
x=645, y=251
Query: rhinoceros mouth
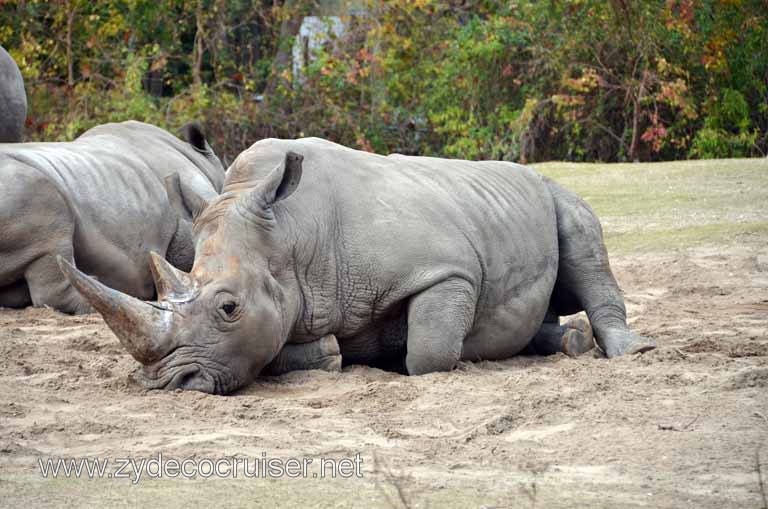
x=171, y=379
x=188, y=377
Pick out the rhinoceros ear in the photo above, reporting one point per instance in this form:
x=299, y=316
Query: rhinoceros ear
x=187, y=203
x=279, y=184
x=194, y=133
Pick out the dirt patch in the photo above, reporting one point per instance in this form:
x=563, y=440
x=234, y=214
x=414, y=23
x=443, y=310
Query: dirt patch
x=680, y=426
x=749, y=378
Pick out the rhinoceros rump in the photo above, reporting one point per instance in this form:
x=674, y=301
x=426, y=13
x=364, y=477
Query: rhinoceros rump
x=406, y=260
x=13, y=100
x=101, y=200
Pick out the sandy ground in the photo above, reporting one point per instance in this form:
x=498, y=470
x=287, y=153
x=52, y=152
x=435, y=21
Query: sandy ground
x=685, y=425
x=681, y=426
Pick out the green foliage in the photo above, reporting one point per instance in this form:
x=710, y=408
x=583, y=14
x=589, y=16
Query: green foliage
x=717, y=143
x=730, y=112
x=524, y=80
x=726, y=131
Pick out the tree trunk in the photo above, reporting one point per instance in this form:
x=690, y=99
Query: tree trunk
x=199, y=46
x=218, y=39
x=637, y=99
x=293, y=14
x=71, y=10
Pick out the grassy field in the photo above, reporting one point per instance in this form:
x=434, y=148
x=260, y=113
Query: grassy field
x=659, y=206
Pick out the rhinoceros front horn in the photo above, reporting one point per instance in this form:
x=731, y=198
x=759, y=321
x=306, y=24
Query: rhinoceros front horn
x=142, y=328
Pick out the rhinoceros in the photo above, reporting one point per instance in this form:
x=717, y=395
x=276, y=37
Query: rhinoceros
x=102, y=201
x=13, y=100
x=316, y=249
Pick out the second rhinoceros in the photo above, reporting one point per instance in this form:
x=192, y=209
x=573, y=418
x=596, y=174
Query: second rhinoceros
x=414, y=260
x=102, y=201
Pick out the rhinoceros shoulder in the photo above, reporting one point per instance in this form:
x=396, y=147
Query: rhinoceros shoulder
x=280, y=146
x=261, y=157
x=127, y=128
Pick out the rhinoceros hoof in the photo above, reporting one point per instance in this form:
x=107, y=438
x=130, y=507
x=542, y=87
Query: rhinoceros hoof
x=580, y=323
x=639, y=344
x=329, y=345
x=330, y=363
x=330, y=352
x=631, y=345
x=577, y=341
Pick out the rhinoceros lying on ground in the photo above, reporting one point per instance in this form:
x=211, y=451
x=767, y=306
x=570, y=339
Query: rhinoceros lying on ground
x=102, y=200
x=13, y=100
x=425, y=260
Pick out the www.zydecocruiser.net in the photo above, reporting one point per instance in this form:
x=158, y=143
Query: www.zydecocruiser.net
x=160, y=467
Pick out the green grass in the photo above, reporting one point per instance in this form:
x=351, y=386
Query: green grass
x=659, y=206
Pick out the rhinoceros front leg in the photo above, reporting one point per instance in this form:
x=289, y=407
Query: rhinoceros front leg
x=439, y=319
x=49, y=287
x=321, y=354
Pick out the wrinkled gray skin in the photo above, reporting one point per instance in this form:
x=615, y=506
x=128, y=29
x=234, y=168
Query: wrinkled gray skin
x=13, y=100
x=403, y=259
x=101, y=200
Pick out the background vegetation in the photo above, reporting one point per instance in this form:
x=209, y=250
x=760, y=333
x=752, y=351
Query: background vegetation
x=525, y=80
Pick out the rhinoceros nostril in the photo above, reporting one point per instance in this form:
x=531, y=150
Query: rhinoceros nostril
x=188, y=381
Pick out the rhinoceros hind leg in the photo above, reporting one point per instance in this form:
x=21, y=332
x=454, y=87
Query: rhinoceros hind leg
x=323, y=354
x=573, y=339
x=584, y=278
x=49, y=287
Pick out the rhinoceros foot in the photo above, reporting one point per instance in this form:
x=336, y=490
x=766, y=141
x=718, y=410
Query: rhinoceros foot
x=626, y=343
x=323, y=354
x=327, y=356
x=578, y=338
x=331, y=363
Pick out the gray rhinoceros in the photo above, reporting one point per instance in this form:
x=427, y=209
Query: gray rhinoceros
x=101, y=200
x=13, y=100
x=415, y=259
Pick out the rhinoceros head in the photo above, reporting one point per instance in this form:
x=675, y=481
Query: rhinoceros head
x=215, y=328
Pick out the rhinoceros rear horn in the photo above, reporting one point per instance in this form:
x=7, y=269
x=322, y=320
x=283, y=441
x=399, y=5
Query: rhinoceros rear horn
x=171, y=283
x=142, y=328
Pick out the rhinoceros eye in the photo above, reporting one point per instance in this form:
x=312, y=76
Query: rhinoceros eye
x=227, y=307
